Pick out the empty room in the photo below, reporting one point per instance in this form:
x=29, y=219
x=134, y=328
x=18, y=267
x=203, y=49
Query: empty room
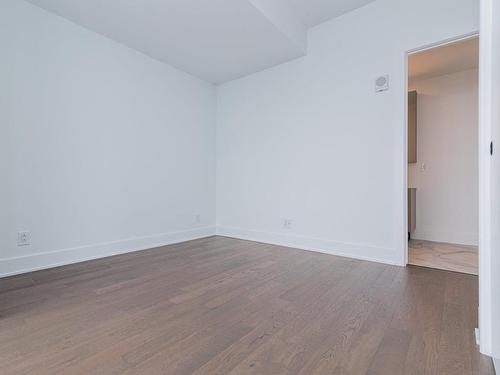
x=265, y=187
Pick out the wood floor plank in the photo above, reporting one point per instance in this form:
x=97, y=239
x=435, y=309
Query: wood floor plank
x=226, y=306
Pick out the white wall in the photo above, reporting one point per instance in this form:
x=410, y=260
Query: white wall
x=310, y=141
x=103, y=150
x=447, y=144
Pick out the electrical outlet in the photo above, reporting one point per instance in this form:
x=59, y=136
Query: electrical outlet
x=287, y=223
x=197, y=218
x=23, y=238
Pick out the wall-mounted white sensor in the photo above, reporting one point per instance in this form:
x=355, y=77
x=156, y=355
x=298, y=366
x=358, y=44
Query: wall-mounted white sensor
x=23, y=238
x=382, y=83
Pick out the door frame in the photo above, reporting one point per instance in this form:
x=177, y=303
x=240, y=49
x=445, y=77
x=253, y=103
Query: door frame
x=407, y=53
x=485, y=200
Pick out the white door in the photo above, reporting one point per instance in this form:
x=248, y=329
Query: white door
x=489, y=247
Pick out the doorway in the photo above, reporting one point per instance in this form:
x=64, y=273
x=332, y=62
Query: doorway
x=442, y=156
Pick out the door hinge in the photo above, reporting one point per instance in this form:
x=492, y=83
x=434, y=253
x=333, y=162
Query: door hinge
x=491, y=148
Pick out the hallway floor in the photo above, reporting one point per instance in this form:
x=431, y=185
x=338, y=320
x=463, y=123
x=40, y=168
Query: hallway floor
x=443, y=256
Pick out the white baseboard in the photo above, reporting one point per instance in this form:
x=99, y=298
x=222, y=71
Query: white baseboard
x=349, y=250
x=469, y=239
x=35, y=262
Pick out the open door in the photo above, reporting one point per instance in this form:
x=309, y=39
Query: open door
x=489, y=157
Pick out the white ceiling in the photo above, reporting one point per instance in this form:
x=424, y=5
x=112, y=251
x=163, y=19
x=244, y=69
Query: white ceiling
x=314, y=12
x=216, y=40
x=447, y=59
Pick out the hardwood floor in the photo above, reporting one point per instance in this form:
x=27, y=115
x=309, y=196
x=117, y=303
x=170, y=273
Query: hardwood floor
x=444, y=256
x=225, y=306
